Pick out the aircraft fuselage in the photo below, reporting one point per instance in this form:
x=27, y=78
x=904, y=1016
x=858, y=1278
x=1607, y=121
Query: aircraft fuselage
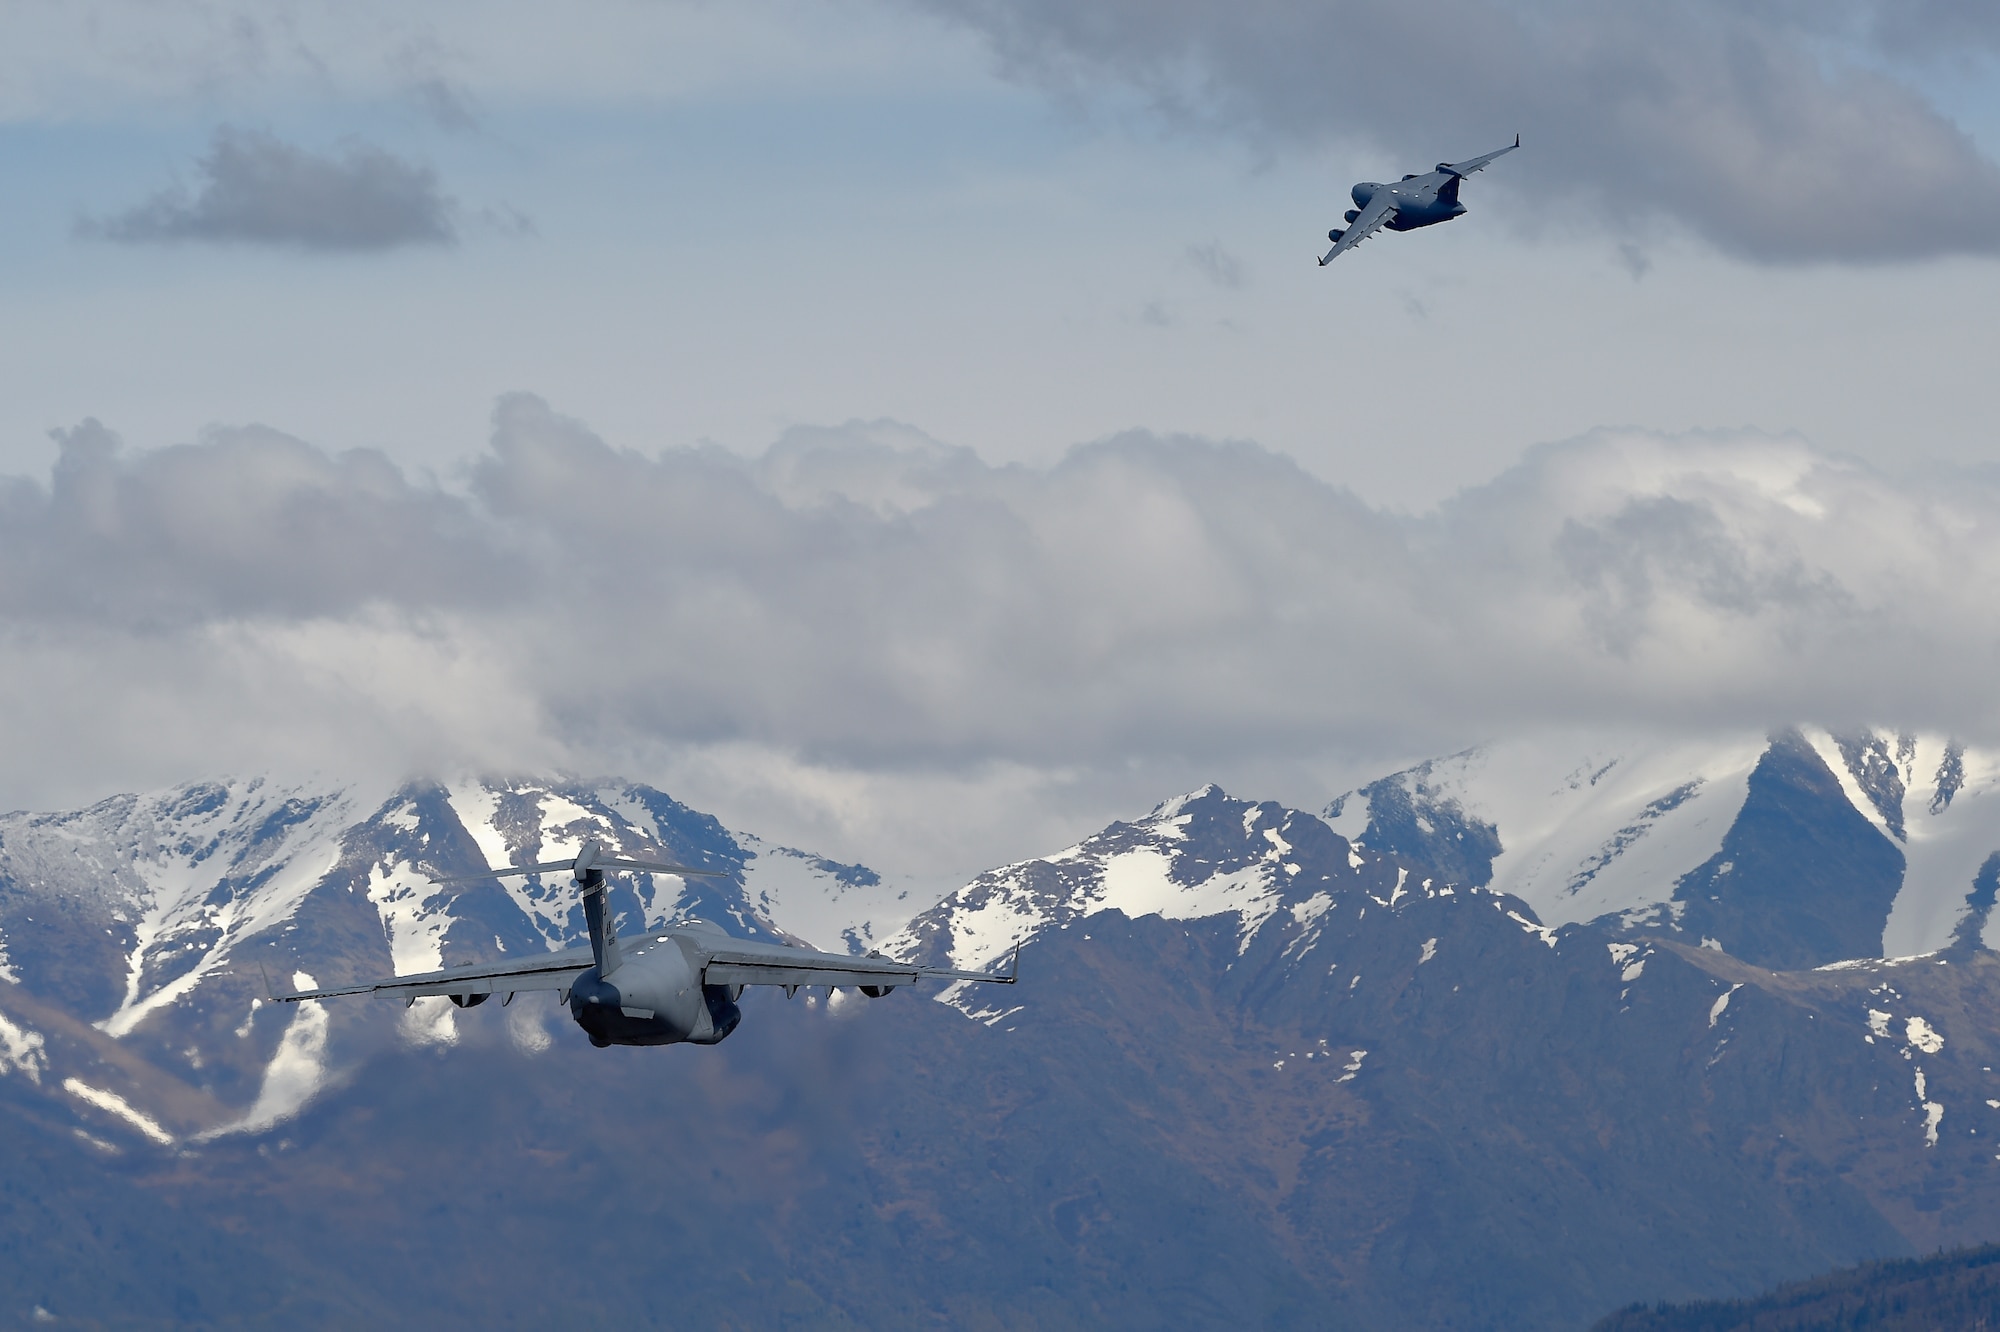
x=672, y=984
x=1421, y=201
x=653, y=996
x=1410, y=203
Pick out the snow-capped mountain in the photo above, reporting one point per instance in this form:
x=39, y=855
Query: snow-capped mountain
x=1797, y=848
x=1449, y=1027
x=1255, y=1070
x=138, y=936
x=1178, y=863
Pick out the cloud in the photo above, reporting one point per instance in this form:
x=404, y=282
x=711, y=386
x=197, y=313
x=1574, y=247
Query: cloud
x=904, y=651
x=256, y=189
x=1216, y=264
x=1779, y=132
x=246, y=524
x=447, y=104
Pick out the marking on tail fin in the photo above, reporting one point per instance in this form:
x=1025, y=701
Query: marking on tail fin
x=603, y=930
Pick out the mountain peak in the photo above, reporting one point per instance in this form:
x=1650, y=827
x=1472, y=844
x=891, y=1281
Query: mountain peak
x=1885, y=831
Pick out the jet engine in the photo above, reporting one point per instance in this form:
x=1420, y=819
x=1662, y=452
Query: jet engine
x=1335, y=235
x=875, y=991
x=1350, y=214
x=1364, y=192
x=469, y=1000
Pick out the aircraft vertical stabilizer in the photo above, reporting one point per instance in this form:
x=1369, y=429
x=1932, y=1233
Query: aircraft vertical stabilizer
x=603, y=930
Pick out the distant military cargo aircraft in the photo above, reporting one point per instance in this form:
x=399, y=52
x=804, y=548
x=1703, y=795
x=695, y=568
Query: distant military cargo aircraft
x=1412, y=202
x=679, y=983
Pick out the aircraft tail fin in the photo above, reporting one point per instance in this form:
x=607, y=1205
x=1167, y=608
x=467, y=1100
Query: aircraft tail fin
x=603, y=930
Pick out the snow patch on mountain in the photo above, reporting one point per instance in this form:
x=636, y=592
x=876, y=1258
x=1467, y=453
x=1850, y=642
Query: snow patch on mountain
x=114, y=1104
x=1922, y=1036
x=410, y=908
x=1933, y=1110
x=797, y=892
x=1197, y=856
x=827, y=904
x=1140, y=882
x=1589, y=826
x=198, y=867
x=21, y=1051
x=492, y=815
x=1939, y=802
x=477, y=807
x=1951, y=817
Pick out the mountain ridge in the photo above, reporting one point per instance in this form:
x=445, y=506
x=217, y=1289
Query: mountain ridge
x=1256, y=1069
x=1617, y=828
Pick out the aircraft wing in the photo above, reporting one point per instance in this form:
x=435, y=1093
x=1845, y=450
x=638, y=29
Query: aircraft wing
x=742, y=962
x=1370, y=220
x=1473, y=164
x=550, y=971
x=748, y=963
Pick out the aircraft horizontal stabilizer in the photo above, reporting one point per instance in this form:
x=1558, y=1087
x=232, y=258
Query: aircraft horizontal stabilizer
x=661, y=867
x=511, y=870
x=607, y=862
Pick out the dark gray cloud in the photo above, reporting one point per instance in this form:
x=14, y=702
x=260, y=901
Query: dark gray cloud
x=1779, y=131
x=253, y=188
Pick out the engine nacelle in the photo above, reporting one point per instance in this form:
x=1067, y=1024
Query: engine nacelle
x=1350, y=215
x=875, y=991
x=469, y=1000
x=723, y=1014
x=1364, y=192
x=1335, y=235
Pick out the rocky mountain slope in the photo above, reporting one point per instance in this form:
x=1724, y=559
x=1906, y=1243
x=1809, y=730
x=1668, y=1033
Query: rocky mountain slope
x=1256, y=1071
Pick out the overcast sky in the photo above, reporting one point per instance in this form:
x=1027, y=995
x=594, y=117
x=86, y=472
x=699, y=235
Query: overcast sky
x=920, y=430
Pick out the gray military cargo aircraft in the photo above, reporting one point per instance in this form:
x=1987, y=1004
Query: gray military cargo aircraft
x=678, y=983
x=1412, y=202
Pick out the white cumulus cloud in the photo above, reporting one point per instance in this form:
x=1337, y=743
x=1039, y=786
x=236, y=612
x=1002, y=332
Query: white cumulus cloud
x=894, y=643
